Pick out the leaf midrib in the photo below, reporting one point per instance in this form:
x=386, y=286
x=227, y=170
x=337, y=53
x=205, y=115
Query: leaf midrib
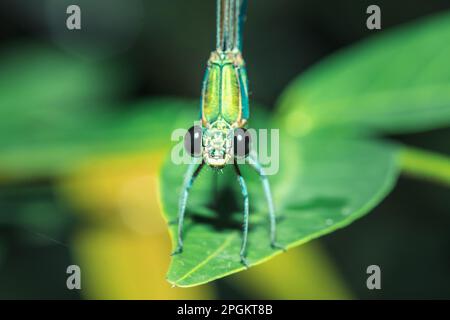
x=207, y=259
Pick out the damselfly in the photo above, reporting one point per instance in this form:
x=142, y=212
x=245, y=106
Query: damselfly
x=222, y=139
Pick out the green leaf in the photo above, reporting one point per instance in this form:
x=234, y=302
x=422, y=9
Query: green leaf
x=34, y=212
x=42, y=89
x=322, y=185
x=147, y=126
x=45, y=97
x=394, y=82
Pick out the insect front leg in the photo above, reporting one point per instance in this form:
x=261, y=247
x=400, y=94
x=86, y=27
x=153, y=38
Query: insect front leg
x=246, y=214
x=191, y=174
x=268, y=194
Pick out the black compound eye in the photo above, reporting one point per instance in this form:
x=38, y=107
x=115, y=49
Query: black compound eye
x=241, y=145
x=193, y=141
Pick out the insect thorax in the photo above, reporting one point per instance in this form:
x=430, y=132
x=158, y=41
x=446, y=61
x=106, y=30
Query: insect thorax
x=225, y=93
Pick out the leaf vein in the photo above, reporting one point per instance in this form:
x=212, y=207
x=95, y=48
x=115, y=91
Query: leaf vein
x=204, y=262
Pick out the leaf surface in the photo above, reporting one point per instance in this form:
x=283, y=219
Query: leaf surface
x=395, y=82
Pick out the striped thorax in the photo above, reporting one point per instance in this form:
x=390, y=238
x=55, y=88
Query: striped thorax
x=224, y=105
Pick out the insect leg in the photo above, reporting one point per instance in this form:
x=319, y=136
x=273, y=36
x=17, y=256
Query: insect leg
x=246, y=213
x=191, y=174
x=265, y=182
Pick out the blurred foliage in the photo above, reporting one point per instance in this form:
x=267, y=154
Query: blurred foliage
x=396, y=82
x=34, y=224
x=51, y=104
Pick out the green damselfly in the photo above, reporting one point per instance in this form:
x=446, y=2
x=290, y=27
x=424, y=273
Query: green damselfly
x=222, y=139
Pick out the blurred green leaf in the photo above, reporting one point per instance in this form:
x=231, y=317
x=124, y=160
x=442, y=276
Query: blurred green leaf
x=49, y=98
x=33, y=212
x=43, y=90
x=322, y=185
x=395, y=82
x=148, y=125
